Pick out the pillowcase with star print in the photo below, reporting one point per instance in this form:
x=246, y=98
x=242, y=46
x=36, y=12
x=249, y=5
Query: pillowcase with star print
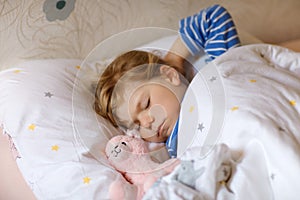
x=36, y=112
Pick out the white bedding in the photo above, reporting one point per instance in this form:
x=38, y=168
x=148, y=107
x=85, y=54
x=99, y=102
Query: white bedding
x=27, y=35
x=258, y=121
x=86, y=177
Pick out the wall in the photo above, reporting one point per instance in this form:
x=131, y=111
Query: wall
x=33, y=29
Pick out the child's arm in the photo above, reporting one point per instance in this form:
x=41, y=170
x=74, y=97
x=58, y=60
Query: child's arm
x=292, y=44
x=211, y=30
x=177, y=54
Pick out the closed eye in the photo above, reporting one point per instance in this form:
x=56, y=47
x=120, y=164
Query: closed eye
x=148, y=103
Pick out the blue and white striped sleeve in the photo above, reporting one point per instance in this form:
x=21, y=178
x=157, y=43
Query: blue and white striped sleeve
x=211, y=30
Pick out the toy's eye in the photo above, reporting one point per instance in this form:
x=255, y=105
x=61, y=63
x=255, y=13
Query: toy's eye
x=124, y=143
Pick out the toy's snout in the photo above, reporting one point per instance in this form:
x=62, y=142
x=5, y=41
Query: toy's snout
x=117, y=151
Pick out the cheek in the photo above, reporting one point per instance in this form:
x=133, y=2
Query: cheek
x=159, y=112
x=166, y=107
x=172, y=107
x=170, y=99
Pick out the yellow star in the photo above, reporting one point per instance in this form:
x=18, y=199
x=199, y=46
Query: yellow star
x=234, y=108
x=17, y=71
x=252, y=81
x=55, y=148
x=31, y=127
x=293, y=102
x=86, y=180
x=191, y=108
x=222, y=182
x=77, y=67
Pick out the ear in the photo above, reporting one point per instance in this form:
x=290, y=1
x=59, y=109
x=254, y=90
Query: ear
x=170, y=74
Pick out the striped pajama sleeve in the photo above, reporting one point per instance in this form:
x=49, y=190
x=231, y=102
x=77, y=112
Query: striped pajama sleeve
x=211, y=30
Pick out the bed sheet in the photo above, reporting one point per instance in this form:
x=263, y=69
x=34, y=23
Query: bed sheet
x=258, y=121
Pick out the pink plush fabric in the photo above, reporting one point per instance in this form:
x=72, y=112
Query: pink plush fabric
x=12, y=185
x=131, y=157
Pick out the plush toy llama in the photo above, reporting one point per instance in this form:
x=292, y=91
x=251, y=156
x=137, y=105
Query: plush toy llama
x=130, y=156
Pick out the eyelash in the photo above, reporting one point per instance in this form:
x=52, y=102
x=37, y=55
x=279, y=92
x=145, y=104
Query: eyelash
x=146, y=106
x=148, y=103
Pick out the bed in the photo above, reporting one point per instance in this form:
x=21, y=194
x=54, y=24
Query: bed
x=52, y=145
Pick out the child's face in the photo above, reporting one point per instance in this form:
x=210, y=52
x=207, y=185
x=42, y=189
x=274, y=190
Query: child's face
x=155, y=109
x=154, y=106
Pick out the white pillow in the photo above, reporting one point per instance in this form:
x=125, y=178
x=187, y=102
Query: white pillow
x=36, y=111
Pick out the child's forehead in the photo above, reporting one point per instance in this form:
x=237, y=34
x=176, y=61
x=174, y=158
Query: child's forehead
x=134, y=90
x=135, y=84
x=129, y=87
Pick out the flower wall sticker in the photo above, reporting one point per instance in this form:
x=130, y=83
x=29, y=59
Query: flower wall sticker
x=58, y=9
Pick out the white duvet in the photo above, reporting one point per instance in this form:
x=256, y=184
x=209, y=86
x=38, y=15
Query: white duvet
x=248, y=100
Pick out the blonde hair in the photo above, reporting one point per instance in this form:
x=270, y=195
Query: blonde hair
x=125, y=62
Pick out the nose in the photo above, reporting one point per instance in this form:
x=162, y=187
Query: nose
x=145, y=119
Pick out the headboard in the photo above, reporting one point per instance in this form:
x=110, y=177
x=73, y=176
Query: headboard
x=35, y=29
